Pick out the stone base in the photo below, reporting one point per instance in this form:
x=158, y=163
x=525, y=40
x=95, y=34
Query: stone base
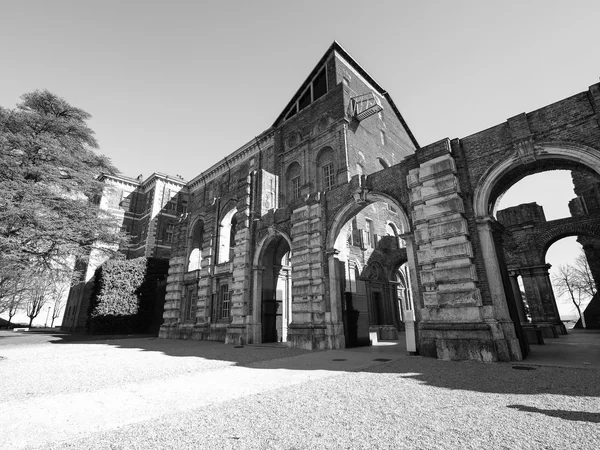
x=465, y=341
x=236, y=335
x=195, y=332
x=316, y=337
x=548, y=329
x=533, y=334
x=385, y=332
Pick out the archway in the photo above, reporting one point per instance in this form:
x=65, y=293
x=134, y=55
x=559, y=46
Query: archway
x=272, y=312
x=365, y=253
x=515, y=249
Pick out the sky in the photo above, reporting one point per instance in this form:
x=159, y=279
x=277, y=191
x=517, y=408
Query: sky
x=175, y=86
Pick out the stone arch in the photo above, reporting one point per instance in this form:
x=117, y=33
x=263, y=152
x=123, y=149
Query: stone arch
x=352, y=207
x=277, y=238
x=560, y=151
x=573, y=228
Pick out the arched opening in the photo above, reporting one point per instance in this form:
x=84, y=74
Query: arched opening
x=535, y=200
x=227, y=232
x=574, y=274
x=373, y=278
x=275, y=290
x=195, y=251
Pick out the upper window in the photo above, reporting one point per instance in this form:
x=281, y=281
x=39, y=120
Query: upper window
x=227, y=237
x=169, y=231
x=316, y=89
x=195, y=257
x=293, y=181
x=328, y=177
x=325, y=169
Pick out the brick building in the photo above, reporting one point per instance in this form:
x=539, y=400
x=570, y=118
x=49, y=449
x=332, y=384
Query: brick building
x=333, y=227
x=148, y=211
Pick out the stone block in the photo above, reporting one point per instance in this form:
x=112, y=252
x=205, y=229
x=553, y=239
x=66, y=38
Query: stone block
x=428, y=254
x=439, y=187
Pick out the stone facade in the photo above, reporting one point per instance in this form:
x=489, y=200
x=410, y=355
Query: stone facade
x=334, y=228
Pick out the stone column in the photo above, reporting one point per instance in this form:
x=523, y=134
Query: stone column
x=336, y=329
x=516, y=289
x=497, y=315
x=254, y=329
x=541, y=301
x=415, y=300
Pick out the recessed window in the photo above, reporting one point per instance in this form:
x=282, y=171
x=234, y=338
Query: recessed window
x=225, y=295
x=320, y=85
x=169, y=231
x=328, y=176
x=304, y=100
x=296, y=188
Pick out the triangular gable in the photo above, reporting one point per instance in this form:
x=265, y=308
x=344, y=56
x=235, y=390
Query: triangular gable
x=336, y=48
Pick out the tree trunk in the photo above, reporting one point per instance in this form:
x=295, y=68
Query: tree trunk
x=30, y=320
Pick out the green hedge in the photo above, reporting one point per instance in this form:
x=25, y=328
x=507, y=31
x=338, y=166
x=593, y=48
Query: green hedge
x=127, y=296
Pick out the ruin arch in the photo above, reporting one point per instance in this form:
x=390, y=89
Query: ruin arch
x=566, y=151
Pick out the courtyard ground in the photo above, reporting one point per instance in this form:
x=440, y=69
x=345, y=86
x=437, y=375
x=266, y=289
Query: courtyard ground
x=62, y=391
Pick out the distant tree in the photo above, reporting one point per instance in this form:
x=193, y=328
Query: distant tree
x=14, y=304
x=39, y=292
x=58, y=294
x=576, y=281
x=48, y=186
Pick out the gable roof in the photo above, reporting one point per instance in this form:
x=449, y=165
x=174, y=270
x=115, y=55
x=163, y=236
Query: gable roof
x=337, y=48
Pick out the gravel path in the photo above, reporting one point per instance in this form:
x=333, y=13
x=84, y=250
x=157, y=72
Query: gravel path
x=279, y=398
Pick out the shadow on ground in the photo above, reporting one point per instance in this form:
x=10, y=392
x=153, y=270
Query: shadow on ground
x=391, y=360
x=579, y=416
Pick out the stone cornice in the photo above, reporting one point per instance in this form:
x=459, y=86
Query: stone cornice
x=247, y=151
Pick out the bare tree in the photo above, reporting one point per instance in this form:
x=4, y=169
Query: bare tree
x=37, y=296
x=58, y=293
x=14, y=304
x=577, y=281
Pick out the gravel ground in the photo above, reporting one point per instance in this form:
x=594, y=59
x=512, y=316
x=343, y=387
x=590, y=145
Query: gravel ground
x=254, y=399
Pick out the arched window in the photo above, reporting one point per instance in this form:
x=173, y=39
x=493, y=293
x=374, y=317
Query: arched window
x=195, y=256
x=293, y=181
x=227, y=237
x=325, y=170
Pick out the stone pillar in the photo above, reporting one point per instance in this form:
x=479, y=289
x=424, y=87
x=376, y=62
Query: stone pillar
x=497, y=315
x=335, y=325
x=455, y=321
x=236, y=331
x=311, y=325
x=415, y=297
x=516, y=289
x=173, y=297
x=254, y=328
x=541, y=301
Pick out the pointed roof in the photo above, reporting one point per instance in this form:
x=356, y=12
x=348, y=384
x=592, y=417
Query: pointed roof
x=337, y=48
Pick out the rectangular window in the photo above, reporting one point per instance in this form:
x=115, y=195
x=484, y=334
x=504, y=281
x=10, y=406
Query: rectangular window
x=320, y=85
x=305, y=99
x=370, y=233
x=190, y=304
x=295, y=188
x=169, y=232
x=225, y=301
x=328, y=176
